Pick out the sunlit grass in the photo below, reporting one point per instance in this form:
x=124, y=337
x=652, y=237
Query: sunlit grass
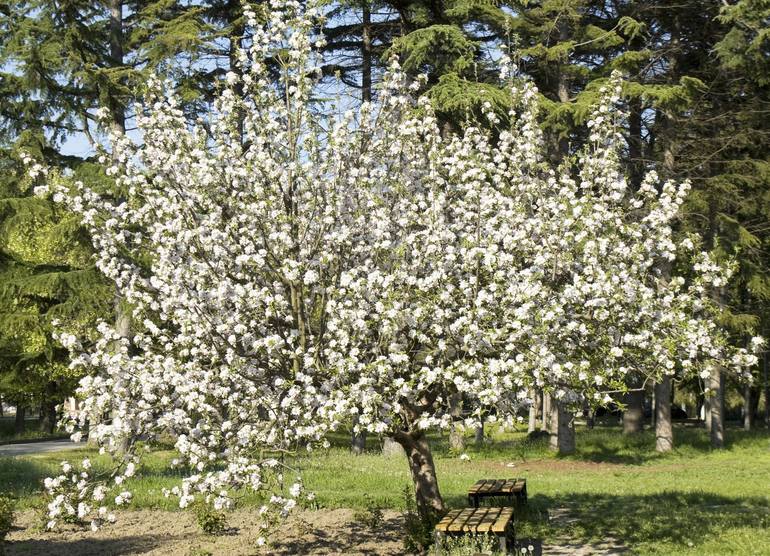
x=694, y=500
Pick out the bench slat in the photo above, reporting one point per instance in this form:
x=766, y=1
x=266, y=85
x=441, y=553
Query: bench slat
x=447, y=520
x=508, y=486
x=485, y=526
x=476, y=487
x=457, y=525
x=502, y=521
x=473, y=522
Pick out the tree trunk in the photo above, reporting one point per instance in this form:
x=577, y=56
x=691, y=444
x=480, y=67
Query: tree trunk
x=533, y=409
x=456, y=432
x=766, y=388
x=117, y=110
x=546, y=412
x=717, y=408
x=48, y=421
x=748, y=408
x=357, y=439
x=563, y=428
x=426, y=491
x=664, y=432
x=633, y=416
x=366, y=52
x=20, y=423
x=707, y=412
x=478, y=437
x=391, y=448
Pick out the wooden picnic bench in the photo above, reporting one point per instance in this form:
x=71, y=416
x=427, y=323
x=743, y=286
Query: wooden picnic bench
x=471, y=521
x=487, y=488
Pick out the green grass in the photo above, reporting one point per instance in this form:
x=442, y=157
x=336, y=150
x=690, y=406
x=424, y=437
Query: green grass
x=32, y=431
x=692, y=501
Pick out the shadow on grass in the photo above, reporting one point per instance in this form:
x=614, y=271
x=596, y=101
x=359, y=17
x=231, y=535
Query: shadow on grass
x=21, y=477
x=670, y=517
x=609, y=446
x=86, y=546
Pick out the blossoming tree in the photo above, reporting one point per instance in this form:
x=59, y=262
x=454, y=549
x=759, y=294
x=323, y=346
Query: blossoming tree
x=290, y=268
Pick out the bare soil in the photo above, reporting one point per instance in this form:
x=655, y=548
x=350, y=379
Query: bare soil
x=176, y=534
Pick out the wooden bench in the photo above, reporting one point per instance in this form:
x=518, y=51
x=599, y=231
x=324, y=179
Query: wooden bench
x=472, y=521
x=508, y=488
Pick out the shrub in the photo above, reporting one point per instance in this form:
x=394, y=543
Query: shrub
x=371, y=516
x=211, y=521
x=6, y=517
x=467, y=545
x=418, y=529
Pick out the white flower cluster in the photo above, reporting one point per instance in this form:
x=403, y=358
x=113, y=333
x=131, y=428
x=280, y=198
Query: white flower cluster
x=289, y=269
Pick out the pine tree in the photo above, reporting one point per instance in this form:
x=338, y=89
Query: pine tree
x=60, y=63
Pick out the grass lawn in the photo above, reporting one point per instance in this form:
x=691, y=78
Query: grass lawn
x=32, y=431
x=692, y=501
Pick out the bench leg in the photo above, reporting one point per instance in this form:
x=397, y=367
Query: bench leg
x=439, y=540
x=503, y=541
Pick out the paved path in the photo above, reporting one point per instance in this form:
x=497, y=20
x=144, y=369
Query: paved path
x=30, y=448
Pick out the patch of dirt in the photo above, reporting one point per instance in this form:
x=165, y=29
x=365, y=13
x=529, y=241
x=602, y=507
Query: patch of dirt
x=176, y=534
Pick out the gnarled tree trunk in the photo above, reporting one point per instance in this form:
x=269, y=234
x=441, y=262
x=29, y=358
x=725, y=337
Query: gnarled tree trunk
x=426, y=491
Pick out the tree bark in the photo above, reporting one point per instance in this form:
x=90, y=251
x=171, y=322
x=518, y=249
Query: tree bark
x=48, y=422
x=717, y=408
x=546, y=412
x=748, y=408
x=766, y=388
x=664, y=432
x=426, y=491
x=456, y=433
x=20, y=423
x=366, y=52
x=357, y=439
x=391, y=448
x=562, y=428
x=117, y=110
x=633, y=416
x=478, y=437
x=533, y=410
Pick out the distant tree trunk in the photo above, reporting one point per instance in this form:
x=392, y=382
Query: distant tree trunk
x=357, y=439
x=533, y=410
x=366, y=52
x=546, y=412
x=426, y=491
x=391, y=448
x=48, y=410
x=664, y=432
x=748, y=408
x=478, y=437
x=456, y=431
x=717, y=408
x=633, y=416
x=766, y=388
x=562, y=428
x=635, y=143
x=20, y=423
x=707, y=412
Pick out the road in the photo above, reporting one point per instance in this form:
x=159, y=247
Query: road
x=30, y=448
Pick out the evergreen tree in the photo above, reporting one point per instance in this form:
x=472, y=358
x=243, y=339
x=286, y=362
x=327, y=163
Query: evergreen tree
x=60, y=62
